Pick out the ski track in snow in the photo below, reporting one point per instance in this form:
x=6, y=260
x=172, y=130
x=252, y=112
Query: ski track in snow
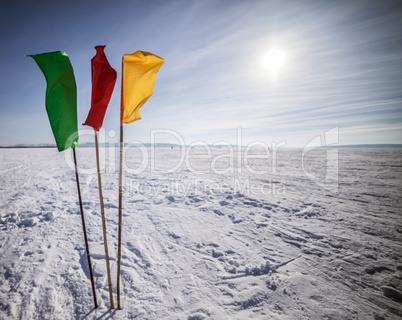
x=301, y=252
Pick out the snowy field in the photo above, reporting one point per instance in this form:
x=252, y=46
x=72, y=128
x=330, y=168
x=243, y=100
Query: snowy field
x=211, y=239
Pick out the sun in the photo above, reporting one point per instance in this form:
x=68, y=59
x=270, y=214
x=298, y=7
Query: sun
x=274, y=60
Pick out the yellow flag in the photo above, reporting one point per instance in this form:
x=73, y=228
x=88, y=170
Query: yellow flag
x=138, y=78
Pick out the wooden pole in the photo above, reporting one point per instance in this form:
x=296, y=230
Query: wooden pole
x=103, y=222
x=120, y=217
x=120, y=190
x=84, y=229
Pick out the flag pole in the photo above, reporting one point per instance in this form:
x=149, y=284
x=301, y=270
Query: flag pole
x=142, y=77
x=103, y=222
x=120, y=193
x=84, y=229
x=120, y=218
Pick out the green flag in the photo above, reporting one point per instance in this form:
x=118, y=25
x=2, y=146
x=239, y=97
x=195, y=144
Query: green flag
x=61, y=97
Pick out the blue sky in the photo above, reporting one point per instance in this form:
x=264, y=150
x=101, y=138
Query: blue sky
x=343, y=67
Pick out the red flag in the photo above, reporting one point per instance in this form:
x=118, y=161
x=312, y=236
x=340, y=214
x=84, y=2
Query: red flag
x=103, y=81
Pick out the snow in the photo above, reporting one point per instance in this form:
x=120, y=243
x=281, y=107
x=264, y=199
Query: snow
x=199, y=244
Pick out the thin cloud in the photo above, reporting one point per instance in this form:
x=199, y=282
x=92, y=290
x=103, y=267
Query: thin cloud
x=343, y=67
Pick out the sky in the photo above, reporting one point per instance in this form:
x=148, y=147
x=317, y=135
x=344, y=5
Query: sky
x=342, y=68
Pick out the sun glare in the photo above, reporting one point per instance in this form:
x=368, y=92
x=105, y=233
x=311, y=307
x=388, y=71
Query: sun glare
x=273, y=60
